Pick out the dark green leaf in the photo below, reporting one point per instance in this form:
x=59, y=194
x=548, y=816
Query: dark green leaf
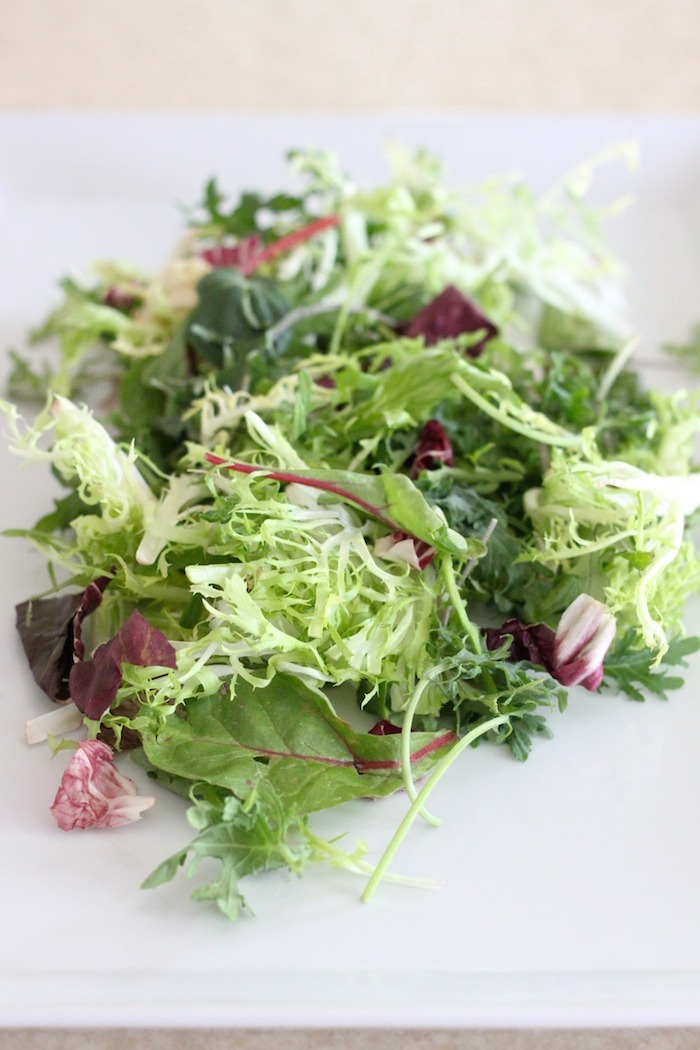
x=317, y=757
x=231, y=318
x=631, y=669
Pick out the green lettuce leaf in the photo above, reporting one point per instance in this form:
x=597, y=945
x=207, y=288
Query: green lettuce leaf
x=313, y=757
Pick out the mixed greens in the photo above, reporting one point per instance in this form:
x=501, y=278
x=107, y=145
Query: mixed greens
x=376, y=450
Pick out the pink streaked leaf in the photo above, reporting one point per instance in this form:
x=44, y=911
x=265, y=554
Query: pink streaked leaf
x=94, y=794
x=574, y=654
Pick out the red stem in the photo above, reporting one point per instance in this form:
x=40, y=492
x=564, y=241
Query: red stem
x=362, y=765
x=300, y=479
x=291, y=240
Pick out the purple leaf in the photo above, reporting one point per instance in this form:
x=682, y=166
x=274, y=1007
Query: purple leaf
x=50, y=630
x=326, y=382
x=433, y=448
x=94, y=683
x=120, y=300
x=94, y=794
x=448, y=315
x=574, y=655
x=92, y=596
x=384, y=728
x=533, y=642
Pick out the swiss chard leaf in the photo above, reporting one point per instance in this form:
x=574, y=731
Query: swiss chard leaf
x=390, y=498
x=313, y=756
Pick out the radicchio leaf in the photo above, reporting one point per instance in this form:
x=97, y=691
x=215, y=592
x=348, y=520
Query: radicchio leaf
x=50, y=630
x=448, y=315
x=120, y=300
x=94, y=794
x=532, y=642
x=94, y=683
x=574, y=654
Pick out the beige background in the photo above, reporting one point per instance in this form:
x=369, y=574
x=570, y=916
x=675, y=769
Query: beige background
x=566, y=55
x=330, y=55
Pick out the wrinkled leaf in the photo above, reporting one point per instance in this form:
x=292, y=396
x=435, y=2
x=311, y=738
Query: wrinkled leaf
x=231, y=317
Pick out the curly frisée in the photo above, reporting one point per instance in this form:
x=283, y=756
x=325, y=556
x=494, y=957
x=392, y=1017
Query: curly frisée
x=384, y=444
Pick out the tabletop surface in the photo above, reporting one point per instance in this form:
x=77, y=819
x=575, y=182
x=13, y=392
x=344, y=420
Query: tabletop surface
x=543, y=55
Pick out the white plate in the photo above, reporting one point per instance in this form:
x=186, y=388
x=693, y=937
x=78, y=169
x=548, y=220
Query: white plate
x=570, y=890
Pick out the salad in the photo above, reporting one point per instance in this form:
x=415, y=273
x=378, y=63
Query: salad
x=362, y=478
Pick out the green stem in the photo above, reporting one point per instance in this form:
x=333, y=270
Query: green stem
x=337, y=858
x=458, y=603
x=406, y=771
x=618, y=362
x=421, y=797
x=564, y=439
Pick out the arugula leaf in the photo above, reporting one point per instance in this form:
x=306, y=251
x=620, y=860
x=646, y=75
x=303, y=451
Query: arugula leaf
x=260, y=763
x=520, y=732
x=498, y=574
x=634, y=671
x=244, y=836
x=243, y=219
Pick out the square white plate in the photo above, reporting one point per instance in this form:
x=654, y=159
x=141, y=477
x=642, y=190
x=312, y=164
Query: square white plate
x=570, y=891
